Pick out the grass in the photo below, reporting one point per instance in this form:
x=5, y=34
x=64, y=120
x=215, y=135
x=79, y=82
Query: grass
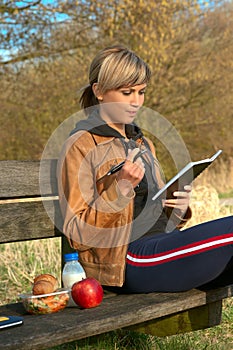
x=21, y=262
x=228, y=194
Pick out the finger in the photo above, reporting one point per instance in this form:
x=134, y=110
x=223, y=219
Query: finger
x=139, y=162
x=138, y=166
x=176, y=202
x=132, y=154
x=171, y=202
x=185, y=193
x=181, y=194
x=188, y=188
x=177, y=205
x=134, y=169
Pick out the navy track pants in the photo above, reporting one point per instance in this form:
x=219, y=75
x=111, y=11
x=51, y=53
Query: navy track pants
x=201, y=255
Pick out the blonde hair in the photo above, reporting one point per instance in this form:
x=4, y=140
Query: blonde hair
x=112, y=68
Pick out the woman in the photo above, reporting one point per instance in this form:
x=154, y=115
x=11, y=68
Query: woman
x=125, y=239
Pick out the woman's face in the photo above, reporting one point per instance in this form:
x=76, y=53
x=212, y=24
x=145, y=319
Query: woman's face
x=121, y=106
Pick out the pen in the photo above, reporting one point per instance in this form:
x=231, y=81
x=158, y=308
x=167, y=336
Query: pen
x=118, y=167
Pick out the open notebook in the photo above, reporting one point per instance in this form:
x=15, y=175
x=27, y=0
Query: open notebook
x=186, y=175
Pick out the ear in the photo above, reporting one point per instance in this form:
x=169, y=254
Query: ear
x=96, y=91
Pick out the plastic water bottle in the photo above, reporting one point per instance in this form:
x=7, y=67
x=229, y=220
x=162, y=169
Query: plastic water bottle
x=72, y=272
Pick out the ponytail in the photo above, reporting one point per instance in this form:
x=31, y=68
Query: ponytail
x=88, y=99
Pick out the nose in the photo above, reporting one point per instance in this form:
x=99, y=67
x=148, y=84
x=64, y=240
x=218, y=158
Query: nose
x=135, y=100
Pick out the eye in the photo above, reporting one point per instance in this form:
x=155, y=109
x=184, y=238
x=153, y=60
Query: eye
x=142, y=92
x=126, y=92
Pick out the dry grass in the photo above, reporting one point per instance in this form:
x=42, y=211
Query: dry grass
x=219, y=176
x=21, y=262
x=206, y=206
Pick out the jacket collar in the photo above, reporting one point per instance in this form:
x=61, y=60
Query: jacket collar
x=97, y=126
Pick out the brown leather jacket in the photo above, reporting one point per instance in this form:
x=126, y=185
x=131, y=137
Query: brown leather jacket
x=97, y=218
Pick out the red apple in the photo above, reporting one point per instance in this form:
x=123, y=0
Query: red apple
x=87, y=293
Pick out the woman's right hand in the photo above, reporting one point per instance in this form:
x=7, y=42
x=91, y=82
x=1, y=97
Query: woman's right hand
x=131, y=173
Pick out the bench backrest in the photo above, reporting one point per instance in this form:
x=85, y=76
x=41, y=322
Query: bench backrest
x=22, y=213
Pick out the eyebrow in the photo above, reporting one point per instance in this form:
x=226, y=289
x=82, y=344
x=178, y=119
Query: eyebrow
x=132, y=89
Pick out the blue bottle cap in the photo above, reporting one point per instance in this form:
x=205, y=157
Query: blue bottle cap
x=71, y=256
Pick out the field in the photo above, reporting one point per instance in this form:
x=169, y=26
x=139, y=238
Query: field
x=20, y=262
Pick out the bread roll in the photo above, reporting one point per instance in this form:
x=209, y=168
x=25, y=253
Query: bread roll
x=42, y=287
x=47, y=277
x=44, y=284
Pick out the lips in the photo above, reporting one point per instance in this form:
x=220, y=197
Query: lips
x=132, y=112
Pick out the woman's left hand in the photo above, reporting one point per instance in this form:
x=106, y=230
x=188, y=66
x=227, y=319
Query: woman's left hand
x=181, y=202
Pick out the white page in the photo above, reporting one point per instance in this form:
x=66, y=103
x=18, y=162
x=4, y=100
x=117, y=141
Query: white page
x=186, y=175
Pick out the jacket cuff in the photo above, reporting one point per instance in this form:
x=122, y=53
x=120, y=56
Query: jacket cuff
x=183, y=220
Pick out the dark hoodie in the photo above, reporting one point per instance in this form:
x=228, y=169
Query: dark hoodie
x=96, y=125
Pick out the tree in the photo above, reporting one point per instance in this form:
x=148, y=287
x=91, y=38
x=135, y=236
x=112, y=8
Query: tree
x=188, y=46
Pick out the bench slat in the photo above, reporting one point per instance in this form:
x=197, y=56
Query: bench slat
x=125, y=310
x=25, y=221
x=190, y=320
x=21, y=178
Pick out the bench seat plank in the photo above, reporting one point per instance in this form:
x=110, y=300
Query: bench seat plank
x=40, y=332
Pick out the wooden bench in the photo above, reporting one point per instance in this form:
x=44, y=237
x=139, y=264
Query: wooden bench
x=23, y=217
